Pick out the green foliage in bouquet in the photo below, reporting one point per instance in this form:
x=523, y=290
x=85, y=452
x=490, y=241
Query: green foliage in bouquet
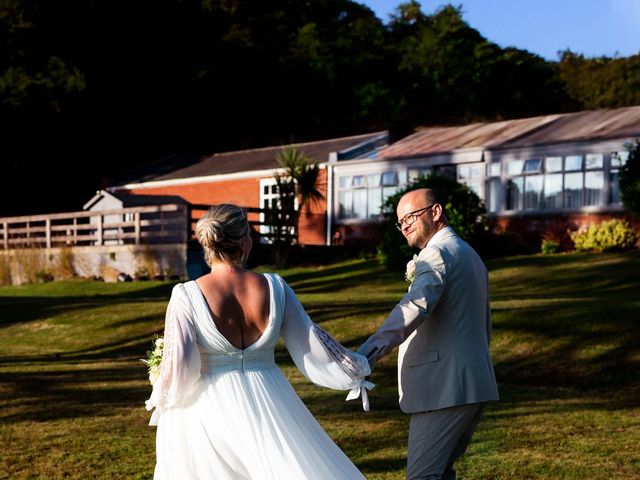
x=154, y=358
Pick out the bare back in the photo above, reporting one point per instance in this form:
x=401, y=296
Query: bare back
x=239, y=304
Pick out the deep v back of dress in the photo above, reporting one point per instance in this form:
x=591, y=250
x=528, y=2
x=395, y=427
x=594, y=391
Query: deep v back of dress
x=240, y=315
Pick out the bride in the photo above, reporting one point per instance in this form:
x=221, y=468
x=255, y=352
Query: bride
x=224, y=410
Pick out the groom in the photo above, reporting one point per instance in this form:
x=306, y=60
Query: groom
x=443, y=327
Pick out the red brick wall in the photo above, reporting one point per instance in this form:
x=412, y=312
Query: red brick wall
x=242, y=192
x=246, y=193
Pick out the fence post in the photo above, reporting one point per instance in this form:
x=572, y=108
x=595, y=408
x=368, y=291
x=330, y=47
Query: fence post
x=47, y=227
x=136, y=219
x=100, y=219
x=5, y=229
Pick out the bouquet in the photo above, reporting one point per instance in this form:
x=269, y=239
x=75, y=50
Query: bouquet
x=410, y=273
x=154, y=358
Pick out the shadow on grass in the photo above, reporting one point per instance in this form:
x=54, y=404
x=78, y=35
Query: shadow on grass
x=69, y=393
x=24, y=308
x=586, y=306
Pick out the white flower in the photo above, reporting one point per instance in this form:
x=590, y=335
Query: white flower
x=154, y=359
x=154, y=373
x=410, y=273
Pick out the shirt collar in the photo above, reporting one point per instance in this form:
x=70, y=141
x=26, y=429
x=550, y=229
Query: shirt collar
x=440, y=234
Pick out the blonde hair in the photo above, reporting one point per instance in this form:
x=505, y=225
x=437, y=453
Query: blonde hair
x=221, y=232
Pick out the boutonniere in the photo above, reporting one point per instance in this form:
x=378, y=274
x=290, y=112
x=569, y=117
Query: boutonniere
x=410, y=273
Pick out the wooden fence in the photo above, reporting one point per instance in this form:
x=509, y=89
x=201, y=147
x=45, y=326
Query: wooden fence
x=126, y=226
x=135, y=225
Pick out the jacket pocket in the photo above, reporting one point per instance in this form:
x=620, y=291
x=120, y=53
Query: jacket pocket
x=422, y=357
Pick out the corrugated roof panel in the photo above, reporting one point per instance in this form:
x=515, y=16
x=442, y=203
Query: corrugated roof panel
x=244, y=160
x=547, y=129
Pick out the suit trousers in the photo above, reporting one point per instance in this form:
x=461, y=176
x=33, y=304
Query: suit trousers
x=438, y=438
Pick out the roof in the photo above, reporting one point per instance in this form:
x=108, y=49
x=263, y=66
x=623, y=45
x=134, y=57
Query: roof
x=131, y=200
x=177, y=167
x=526, y=132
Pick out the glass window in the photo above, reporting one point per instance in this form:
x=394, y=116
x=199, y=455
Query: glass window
x=593, y=160
x=448, y=171
x=593, y=186
x=357, y=181
x=463, y=172
x=362, y=196
x=475, y=187
x=388, y=191
x=494, y=194
x=553, y=164
x=375, y=202
x=475, y=171
x=573, y=189
x=515, y=190
x=533, y=192
x=345, y=202
x=373, y=180
x=514, y=167
x=619, y=159
x=532, y=166
x=493, y=169
x=614, y=187
x=389, y=178
x=360, y=203
x=414, y=174
x=553, y=190
x=573, y=162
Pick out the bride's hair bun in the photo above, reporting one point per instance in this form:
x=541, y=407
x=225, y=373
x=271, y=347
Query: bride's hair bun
x=217, y=231
x=222, y=232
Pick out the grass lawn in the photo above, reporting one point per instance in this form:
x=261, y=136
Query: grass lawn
x=566, y=347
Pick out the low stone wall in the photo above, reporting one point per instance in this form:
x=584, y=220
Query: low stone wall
x=19, y=266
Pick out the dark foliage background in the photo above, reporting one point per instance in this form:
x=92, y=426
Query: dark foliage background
x=91, y=88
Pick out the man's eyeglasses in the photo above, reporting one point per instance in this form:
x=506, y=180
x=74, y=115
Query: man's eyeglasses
x=411, y=217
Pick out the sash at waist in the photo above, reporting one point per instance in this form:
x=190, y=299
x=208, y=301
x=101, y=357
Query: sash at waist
x=240, y=361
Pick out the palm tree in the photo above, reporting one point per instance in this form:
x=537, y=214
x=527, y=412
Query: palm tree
x=297, y=188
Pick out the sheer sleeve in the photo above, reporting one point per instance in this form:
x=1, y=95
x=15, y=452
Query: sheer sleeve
x=320, y=357
x=180, y=366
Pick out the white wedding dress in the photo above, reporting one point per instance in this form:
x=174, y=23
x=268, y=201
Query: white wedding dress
x=228, y=413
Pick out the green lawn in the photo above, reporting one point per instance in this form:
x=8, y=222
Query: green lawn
x=566, y=347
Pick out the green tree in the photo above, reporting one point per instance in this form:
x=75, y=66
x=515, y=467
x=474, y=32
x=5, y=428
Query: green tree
x=600, y=82
x=465, y=212
x=630, y=180
x=297, y=190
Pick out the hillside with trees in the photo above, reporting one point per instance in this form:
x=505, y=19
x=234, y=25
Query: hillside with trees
x=95, y=87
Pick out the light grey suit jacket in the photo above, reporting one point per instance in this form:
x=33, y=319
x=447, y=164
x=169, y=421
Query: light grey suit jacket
x=443, y=327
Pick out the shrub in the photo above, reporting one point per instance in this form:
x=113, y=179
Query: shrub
x=630, y=180
x=555, y=235
x=465, y=212
x=549, y=246
x=608, y=235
